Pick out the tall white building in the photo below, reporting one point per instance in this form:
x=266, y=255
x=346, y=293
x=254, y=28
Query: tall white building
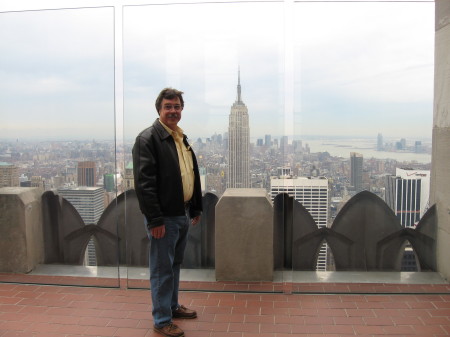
x=88, y=201
x=90, y=204
x=238, y=143
x=313, y=194
x=408, y=194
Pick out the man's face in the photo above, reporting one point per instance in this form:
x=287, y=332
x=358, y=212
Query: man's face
x=170, y=112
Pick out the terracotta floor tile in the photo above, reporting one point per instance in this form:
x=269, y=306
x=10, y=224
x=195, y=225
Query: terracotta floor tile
x=213, y=326
x=387, y=321
x=446, y=328
x=233, y=303
x=38, y=317
x=94, y=321
x=342, y=305
x=130, y=332
x=70, y=328
x=435, y=320
x=440, y=312
x=368, y=330
x=319, y=320
x=348, y=320
x=360, y=312
x=259, y=319
x=276, y=328
x=230, y=318
x=388, y=312
x=407, y=321
x=244, y=327
x=264, y=304
x=292, y=320
x=369, y=305
x=100, y=331
x=259, y=334
x=246, y=310
x=124, y=323
x=428, y=330
x=225, y=334
x=399, y=330
x=309, y=329
x=341, y=329
x=15, y=325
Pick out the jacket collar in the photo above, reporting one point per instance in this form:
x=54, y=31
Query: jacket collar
x=162, y=133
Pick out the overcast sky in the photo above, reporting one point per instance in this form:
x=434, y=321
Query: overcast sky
x=307, y=68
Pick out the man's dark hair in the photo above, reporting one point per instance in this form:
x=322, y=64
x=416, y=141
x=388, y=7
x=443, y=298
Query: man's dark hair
x=168, y=93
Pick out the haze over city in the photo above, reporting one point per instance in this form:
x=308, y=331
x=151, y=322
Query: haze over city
x=307, y=68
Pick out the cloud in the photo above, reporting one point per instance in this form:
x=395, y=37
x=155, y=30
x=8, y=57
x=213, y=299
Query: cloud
x=57, y=71
x=357, y=66
x=364, y=66
x=370, y=40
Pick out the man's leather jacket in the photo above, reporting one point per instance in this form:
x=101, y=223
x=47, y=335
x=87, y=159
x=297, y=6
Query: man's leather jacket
x=157, y=177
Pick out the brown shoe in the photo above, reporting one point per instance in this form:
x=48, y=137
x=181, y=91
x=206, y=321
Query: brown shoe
x=170, y=330
x=183, y=312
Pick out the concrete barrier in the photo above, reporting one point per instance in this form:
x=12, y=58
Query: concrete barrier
x=244, y=236
x=21, y=236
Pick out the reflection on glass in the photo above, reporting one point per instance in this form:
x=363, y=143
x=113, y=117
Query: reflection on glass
x=57, y=132
x=229, y=71
x=363, y=78
x=363, y=109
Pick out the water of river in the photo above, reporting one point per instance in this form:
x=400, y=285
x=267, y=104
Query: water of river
x=367, y=147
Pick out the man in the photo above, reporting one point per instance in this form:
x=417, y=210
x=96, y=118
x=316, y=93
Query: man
x=167, y=184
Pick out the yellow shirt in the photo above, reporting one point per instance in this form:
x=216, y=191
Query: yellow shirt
x=185, y=161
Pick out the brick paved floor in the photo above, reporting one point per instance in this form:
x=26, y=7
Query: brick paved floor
x=70, y=311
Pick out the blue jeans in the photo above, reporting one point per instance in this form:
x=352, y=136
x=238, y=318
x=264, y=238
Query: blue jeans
x=166, y=256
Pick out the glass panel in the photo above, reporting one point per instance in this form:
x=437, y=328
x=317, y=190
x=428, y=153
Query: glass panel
x=218, y=54
x=58, y=132
x=363, y=109
x=306, y=71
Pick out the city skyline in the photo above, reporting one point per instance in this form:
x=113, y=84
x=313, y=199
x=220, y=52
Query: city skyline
x=366, y=68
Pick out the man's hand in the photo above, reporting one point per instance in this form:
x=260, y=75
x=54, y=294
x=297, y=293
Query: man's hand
x=195, y=220
x=158, y=232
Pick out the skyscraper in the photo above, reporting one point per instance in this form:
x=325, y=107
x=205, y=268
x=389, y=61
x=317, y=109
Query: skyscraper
x=87, y=175
x=88, y=201
x=312, y=193
x=9, y=176
x=109, y=182
x=380, y=145
x=408, y=193
x=238, y=143
x=268, y=140
x=356, y=171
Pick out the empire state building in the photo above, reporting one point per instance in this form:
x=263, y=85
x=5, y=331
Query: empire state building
x=238, y=143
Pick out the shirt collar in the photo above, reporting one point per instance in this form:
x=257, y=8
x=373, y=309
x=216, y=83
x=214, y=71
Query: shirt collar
x=175, y=133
